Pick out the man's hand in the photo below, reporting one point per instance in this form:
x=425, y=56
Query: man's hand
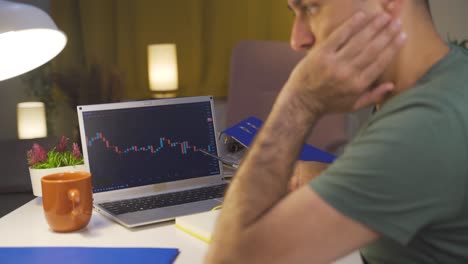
x=340, y=74
x=304, y=172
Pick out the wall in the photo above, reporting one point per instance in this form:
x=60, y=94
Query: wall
x=451, y=18
x=12, y=91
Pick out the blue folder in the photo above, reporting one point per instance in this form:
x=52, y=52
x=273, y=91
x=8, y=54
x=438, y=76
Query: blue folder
x=86, y=255
x=245, y=131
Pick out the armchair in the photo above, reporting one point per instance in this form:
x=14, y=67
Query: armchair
x=258, y=71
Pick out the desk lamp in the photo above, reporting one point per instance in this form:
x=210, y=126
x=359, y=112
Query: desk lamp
x=28, y=39
x=162, y=70
x=31, y=120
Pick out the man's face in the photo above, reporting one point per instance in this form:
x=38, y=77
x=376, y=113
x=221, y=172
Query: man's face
x=315, y=20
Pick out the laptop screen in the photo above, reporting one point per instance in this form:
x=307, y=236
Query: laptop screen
x=148, y=143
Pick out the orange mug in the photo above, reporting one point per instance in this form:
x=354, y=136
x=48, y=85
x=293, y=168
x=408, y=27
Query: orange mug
x=67, y=199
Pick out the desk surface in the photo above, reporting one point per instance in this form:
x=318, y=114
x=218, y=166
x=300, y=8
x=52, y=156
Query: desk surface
x=26, y=226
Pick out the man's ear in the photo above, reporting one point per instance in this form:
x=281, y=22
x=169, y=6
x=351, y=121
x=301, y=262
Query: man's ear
x=393, y=7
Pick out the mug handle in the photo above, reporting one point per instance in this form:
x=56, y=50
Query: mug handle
x=75, y=197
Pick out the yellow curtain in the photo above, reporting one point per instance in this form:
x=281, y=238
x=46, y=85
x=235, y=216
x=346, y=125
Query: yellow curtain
x=115, y=33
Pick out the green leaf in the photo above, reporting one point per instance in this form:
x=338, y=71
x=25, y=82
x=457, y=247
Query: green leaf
x=58, y=159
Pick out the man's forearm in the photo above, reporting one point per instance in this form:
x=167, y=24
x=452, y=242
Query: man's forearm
x=263, y=177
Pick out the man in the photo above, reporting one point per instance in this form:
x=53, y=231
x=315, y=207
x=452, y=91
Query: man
x=399, y=191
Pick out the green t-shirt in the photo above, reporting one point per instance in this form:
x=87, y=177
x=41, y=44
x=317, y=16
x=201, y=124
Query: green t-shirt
x=406, y=173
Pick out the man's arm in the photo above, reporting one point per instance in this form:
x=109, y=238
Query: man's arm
x=259, y=221
x=295, y=228
x=304, y=172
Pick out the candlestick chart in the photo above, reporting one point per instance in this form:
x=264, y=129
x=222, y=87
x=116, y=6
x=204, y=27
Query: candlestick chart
x=148, y=145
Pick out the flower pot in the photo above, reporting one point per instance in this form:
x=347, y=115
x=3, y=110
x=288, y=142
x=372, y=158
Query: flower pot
x=37, y=174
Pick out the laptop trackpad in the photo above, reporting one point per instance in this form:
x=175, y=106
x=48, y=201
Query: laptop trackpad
x=166, y=213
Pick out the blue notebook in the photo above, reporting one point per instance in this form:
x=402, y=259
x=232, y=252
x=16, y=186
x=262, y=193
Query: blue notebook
x=86, y=255
x=245, y=131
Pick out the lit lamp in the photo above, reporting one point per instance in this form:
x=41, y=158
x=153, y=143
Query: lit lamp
x=162, y=70
x=28, y=39
x=31, y=120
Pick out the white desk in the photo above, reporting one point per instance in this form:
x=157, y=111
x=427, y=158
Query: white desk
x=26, y=226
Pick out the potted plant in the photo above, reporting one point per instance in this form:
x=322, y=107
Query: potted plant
x=58, y=159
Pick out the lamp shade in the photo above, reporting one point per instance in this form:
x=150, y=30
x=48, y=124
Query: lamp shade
x=31, y=120
x=162, y=67
x=28, y=39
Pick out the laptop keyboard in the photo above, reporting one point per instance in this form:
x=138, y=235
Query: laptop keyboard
x=165, y=200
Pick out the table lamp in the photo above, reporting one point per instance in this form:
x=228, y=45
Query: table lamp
x=31, y=120
x=28, y=38
x=162, y=70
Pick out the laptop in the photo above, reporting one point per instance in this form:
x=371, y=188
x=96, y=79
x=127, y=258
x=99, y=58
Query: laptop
x=146, y=158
